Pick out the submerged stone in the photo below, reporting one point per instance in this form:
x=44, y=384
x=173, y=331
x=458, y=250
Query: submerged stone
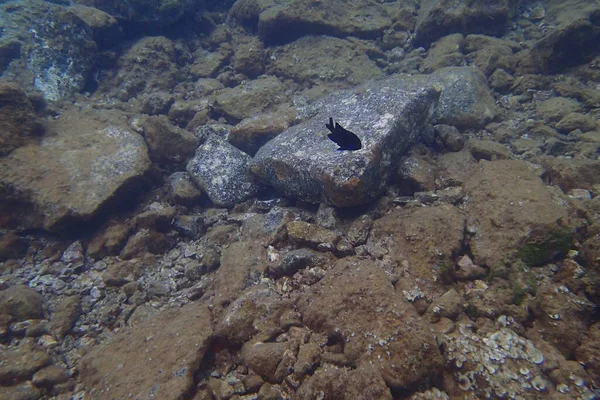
x=388, y=116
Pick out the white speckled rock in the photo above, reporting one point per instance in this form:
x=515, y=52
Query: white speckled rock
x=221, y=170
x=387, y=115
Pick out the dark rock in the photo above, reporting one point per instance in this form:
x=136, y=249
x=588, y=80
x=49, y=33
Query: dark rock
x=356, y=305
x=301, y=162
x=22, y=391
x=146, y=241
x=282, y=23
x=322, y=60
x=295, y=260
x=49, y=376
x=574, y=40
x=64, y=316
x=263, y=358
x=249, y=57
x=18, y=123
x=56, y=47
x=148, y=66
x=466, y=101
x=21, y=303
x=167, y=143
x=20, y=363
x=105, y=28
x=233, y=184
x=109, y=241
x=90, y=163
x=183, y=190
x=576, y=173
x=439, y=18
x=11, y=246
x=170, y=346
x=487, y=150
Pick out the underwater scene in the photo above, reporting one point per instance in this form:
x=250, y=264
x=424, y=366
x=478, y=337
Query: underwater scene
x=299, y=199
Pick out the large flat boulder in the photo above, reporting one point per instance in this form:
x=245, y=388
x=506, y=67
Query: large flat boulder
x=388, y=116
x=155, y=359
x=85, y=163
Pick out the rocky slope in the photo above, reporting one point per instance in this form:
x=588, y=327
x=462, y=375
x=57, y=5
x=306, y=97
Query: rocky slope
x=175, y=224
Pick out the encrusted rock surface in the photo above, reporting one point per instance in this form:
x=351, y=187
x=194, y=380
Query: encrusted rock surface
x=287, y=20
x=354, y=304
x=170, y=348
x=525, y=219
x=473, y=272
x=18, y=122
x=388, y=116
x=233, y=184
x=438, y=18
x=87, y=162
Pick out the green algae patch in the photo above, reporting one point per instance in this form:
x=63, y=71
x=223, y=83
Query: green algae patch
x=541, y=248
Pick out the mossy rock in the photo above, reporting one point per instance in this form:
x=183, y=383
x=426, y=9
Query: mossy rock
x=543, y=247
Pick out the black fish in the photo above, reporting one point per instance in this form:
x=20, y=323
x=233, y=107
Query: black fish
x=343, y=137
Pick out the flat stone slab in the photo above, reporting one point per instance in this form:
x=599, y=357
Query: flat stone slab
x=388, y=116
x=85, y=163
